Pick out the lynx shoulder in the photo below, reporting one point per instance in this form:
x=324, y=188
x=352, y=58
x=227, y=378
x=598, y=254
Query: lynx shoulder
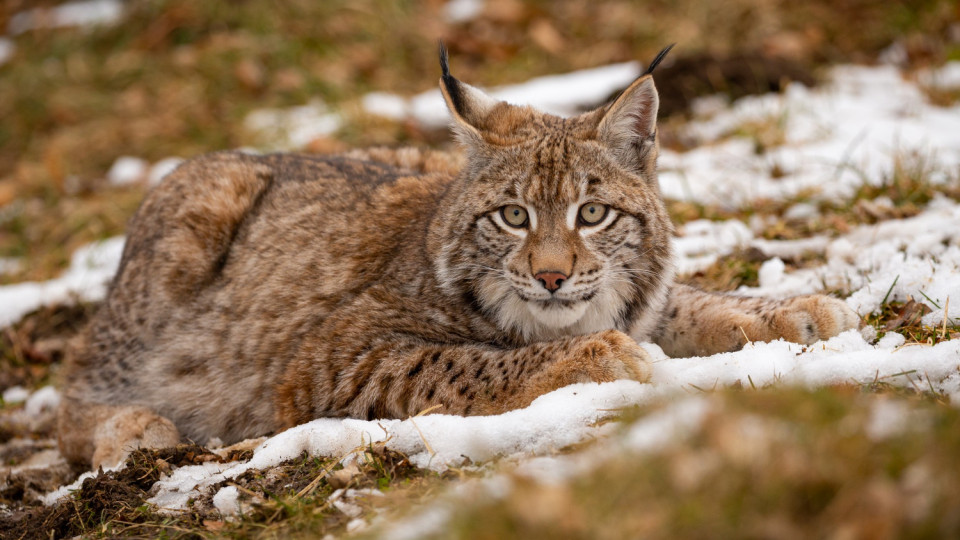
x=259, y=292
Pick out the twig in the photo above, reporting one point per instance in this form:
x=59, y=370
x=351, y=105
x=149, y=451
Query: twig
x=326, y=470
x=946, y=315
x=750, y=343
x=422, y=438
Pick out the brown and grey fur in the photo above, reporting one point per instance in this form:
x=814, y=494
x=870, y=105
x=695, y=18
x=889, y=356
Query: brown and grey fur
x=259, y=292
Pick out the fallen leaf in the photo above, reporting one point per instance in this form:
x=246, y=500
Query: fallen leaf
x=212, y=525
x=908, y=314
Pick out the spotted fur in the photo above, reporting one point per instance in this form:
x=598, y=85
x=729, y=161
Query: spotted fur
x=259, y=292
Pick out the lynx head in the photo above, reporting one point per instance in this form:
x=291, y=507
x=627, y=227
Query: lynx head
x=555, y=225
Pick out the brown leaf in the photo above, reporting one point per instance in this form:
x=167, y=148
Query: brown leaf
x=212, y=525
x=907, y=314
x=340, y=479
x=162, y=465
x=250, y=74
x=7, y=192
x=504, y=11
x=546, y=36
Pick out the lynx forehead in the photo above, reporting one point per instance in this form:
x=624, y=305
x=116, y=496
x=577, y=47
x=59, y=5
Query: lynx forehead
x=259, y=292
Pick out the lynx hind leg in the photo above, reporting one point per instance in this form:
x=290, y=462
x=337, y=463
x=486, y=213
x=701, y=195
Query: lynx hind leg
x=104, y=435
x=699, y=323
x=199, y=209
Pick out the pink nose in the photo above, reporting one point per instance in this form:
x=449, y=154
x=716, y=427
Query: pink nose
x=551, y=280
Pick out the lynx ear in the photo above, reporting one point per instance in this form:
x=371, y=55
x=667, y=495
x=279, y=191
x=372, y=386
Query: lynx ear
x=629, y=124
x=469, y=106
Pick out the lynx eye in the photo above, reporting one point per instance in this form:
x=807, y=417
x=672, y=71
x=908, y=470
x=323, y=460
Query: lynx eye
x=592, y=213
x=515, y=216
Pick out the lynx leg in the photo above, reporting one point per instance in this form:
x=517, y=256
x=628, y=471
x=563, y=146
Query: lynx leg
x=699, y=323
x=602, y=357
x=104, y=435
x=399, y=378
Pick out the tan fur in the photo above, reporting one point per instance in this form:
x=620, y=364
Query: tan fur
x=259, y=292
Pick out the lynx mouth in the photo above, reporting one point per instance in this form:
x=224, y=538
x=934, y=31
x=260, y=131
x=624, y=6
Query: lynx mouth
x=555, y=303
x=557, y=312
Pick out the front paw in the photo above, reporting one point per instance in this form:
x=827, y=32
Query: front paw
x=615, y=355
x=808, y=319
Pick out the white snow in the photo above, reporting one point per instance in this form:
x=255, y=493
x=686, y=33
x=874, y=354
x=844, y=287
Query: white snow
x=161, y=169
x=946, y=77
x=889, y=418
x=702, y=242
x=459, y=11
x=918, y=256
x=551, y=422
x=44, y=399
x=227, y=501
x=15, y=394
x=294, y=127
x=386, y=105
x=564, y=95
x=127, y=170
x=854, y=129
x=91, y=267
x=79, y=13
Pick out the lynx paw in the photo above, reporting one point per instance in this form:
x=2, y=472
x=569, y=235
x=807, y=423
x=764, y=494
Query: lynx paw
x=808, y=319
x=613, y=355
x=129, y=429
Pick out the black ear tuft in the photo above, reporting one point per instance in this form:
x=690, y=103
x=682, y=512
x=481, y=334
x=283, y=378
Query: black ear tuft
x=452, y=85
x=444, y=60
x=653, y=65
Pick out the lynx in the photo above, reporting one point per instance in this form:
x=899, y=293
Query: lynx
x=258, y=292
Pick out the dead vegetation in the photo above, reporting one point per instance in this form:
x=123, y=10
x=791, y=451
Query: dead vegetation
x=31, y=348
x=303, y=496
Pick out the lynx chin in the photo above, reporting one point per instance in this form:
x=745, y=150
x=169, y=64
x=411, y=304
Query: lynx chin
x=256, y=293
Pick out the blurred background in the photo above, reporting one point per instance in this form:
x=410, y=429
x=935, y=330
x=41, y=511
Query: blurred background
x=85, y=83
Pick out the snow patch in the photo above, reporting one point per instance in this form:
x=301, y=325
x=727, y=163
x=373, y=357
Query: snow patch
x=162, y=168
x=856, y=128
x=15, y=394
x=127, y=170
x=946, y=77
x=563, y=95
x=43, y=400
x=551, y=422
x=83, y=13
x=294, y=127
x=91, y=268
x=460, y=11
x=227, y=501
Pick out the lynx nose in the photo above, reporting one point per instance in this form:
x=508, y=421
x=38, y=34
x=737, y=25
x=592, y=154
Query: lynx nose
x=550, y=280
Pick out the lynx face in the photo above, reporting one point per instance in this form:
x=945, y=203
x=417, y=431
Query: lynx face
x=558, y=228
